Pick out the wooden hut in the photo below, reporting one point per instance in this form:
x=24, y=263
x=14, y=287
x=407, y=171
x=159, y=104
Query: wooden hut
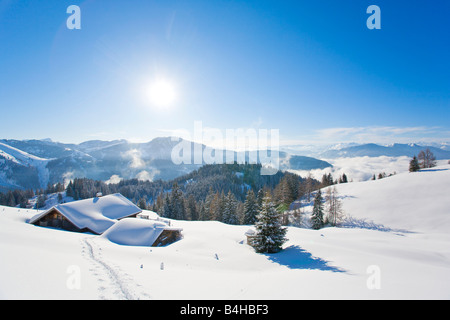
x=94, y=215
x=250, y=234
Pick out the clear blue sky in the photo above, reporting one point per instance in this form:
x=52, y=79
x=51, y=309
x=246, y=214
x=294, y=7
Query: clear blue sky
x=311, y=69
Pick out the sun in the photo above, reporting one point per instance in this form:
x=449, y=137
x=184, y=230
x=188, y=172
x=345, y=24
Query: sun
x=162, y=93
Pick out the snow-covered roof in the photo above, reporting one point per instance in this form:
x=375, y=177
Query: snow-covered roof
x=250, y=232
x=136, y=232
x=95, y=214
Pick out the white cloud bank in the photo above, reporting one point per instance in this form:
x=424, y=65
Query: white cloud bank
x=360, y=168
x=374, y=134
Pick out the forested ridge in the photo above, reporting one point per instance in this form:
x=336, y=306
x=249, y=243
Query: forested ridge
x=213, y=192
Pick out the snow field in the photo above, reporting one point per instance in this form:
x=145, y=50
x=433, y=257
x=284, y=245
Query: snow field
x=405, y=254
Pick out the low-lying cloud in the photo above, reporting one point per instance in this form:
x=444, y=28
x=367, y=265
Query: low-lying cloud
x=360, y=168
x=135, y=156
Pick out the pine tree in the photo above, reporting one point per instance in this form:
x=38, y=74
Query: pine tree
x=191, y=206
x=208, y=206
x=60, y=197
x=414, y=165
x=177, y=203
x=270, y=235
x=317, y=214
x=166, y=208
x=142, y=203
x=250, y=208
x=330, y=179
x=11, y=200
x=260, y=198
x=218, y=205
x=69, y=191
x=287, y=190
x=229, y=209
x=40, y=203
x=157, y=205
x=202, y=212
x=327, y=180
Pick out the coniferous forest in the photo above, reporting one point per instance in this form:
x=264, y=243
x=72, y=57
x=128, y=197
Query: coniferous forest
x=231, y=193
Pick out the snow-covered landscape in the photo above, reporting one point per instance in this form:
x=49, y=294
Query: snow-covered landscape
x=395, y=244
x=224, y=151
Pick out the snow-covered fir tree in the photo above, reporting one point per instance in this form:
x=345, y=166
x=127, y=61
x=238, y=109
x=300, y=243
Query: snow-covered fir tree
x=317, y=214
x=177, y=203
x=270, y=234
x=166, y=210
x=142, y=203
x=229, y=215
x=250, y=208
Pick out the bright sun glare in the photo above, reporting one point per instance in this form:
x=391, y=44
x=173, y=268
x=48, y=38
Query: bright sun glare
x=162, y=93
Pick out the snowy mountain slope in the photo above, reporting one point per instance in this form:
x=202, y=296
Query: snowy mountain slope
x=20, y=156
x=327, y=264
x=402, y=254
x=417, y=202
x=20, y=169
x=333, y=263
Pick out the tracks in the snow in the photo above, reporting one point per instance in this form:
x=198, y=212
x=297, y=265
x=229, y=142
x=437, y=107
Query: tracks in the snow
x=117, y=287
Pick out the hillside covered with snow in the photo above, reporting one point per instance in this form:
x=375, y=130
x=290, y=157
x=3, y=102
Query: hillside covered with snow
x=396, y=246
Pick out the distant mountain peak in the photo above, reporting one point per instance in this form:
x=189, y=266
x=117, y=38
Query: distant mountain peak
x=52, y=162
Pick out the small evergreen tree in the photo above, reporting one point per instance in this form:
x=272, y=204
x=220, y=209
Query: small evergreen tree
x=327, y=180
x=270, y=235
x=414, y=165
x=343, y=178
x=317, y=214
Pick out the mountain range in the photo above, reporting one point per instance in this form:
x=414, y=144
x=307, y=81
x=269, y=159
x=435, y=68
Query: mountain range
x=351, y=150
x=32, y=164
